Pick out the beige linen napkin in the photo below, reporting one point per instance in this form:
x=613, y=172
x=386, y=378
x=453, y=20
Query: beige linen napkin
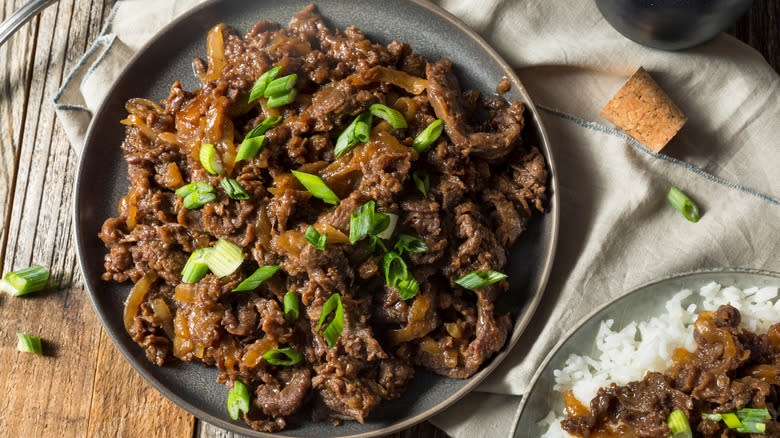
x=617, y=230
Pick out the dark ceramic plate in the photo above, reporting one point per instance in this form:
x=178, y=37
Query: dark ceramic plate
x=640, y=304
x=168, y=57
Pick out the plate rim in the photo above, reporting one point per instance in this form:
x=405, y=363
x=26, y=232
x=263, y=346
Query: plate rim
x=592, y=314
x=519, y=326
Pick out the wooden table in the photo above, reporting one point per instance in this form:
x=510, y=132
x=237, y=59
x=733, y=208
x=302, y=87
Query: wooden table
x=83, y=386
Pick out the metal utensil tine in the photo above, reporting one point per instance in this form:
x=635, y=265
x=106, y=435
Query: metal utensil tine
x=21, y=16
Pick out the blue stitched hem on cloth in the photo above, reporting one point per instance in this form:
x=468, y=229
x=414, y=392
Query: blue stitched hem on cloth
x=631, y=140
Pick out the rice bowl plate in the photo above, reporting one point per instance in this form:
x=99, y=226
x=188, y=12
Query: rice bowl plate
x=636, y=333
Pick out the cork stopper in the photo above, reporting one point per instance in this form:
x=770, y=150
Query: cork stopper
x=644, y=111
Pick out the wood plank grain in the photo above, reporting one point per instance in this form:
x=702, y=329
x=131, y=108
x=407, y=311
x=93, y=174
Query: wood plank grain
x=80, y=357
x=15, y=56
x=124, y=405
x=55, y=405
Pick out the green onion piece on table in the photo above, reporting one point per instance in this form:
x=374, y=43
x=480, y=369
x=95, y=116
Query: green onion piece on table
x=234, y=189
x=357, y=132
x=333, y=330
x=290, y=307
x=683, y=204
x=257, y=278
x=280, y=86
x=479, y=279
x=197, y=200
x=282, y=99
x=238, y=400
x=283, y=356
x=225, y=258
x=197, y=186
x=25, y=281
x=397, y=275
x=422, y=181
x=29, y=344
x=679, y=424
x=430, y=134
x=393, y=116
x=409, y=244
x=317, y=187
x=365, y=221
x=316, y=239
x=196, y=267
x=262, y=82
x=208, y=158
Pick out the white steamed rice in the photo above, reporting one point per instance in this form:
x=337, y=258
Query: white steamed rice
x=627, y=354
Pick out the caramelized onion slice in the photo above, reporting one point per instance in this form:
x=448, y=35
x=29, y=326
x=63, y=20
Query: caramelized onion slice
x=136, y=297
x=163, y=313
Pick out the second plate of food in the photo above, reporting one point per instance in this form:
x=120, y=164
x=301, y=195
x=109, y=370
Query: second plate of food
x=160, y=226
x=651, y=328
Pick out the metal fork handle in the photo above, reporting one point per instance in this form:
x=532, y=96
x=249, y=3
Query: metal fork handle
x=21, y=16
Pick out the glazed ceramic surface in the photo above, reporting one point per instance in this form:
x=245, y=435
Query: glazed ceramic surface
x=639, y=304
x=102, y=180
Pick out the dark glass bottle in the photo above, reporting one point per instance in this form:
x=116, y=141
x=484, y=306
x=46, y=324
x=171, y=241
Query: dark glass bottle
x=672, y=24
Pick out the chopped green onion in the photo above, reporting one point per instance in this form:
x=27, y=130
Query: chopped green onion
x=262, y=82
x=238, y=400
x=731, y=420
x=249, y=148
x=263, y=127
x=408, y=287
x=388, y=231
x=711, y=417
x=679, y=424
x=747, y=414
x=409, y=244
x=393, y=116
x=286, y=357
x=225, y=258
x=196, y=194
x=29, y=344
x=316, y=239
x=479, y=279
x=364, y=221
x=197, y=200
x=262, y=274
x=397, y=275
x=422, y=181
x=746, y=420
x=683, y=204
x=196, y=267
x=253, y=141
x=282, y=99
x=197, y=186
x=333, y=330
x=25, y=281
x=280, y=86
x=428, y=135
x=234, y=189
x=290, y=307
x=752, y=427
x=358, y=131
x=317, y=187
x=208, y=158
